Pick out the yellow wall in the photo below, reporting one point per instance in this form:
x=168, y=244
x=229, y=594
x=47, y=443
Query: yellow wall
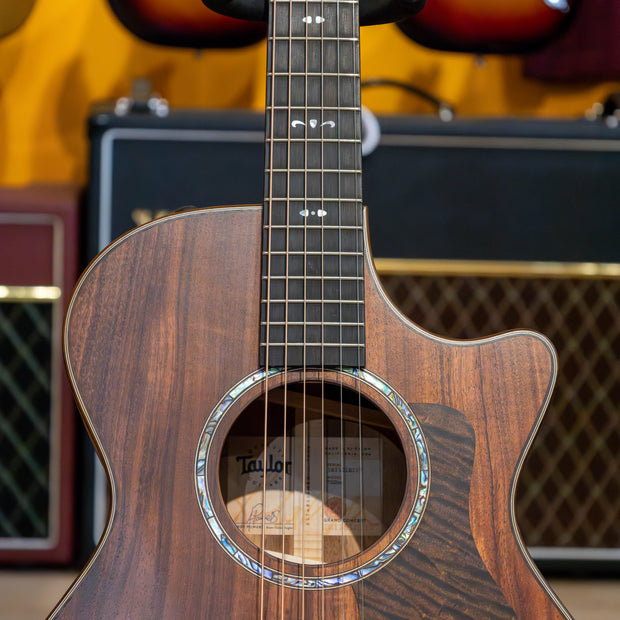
x=72, y=53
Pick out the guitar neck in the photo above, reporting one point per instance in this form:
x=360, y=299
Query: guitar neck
x=312, y=310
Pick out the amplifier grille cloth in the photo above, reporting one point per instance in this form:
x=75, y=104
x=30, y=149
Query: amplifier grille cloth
x=569, y=491
x=25, y=413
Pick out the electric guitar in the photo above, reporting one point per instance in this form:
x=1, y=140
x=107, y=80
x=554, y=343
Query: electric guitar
x=280, y=441
x=185, y=23
x=489, y=26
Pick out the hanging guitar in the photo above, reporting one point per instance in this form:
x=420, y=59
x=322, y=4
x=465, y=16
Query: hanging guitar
x=185, y=23
x=489, y=26
x=280, y=441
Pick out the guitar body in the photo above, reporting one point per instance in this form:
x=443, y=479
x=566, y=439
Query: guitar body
x=163, y=324
x=185, y=23
x=487, y=26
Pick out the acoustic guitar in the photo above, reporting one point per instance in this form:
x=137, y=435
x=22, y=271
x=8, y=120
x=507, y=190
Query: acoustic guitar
x=489, y=26
x=280, y=441
x=13, y=13
x=185, y=23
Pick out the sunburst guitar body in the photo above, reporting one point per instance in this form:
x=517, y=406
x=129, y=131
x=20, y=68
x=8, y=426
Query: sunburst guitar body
x=488, y=26
x=280, y=441
x=185, y=23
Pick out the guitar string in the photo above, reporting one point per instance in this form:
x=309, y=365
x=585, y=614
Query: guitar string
x=340, y=312
x=269, y=218
x=322, y=430
x=286, y=309
x=359, y=282
x=304, y=321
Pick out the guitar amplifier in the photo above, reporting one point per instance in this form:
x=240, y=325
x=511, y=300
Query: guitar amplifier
x=38, y=267
x=477, y=226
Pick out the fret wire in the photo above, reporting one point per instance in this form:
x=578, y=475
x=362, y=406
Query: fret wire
x=334, y=140
x=314, y=301
x=315, y=170
x=326, y=227
x=306, y=2
x=312, y=253
x=286, y=38
x=313, y=344
x=332, y=278
x=330, y=108
x=313, y=323
x=311, y=74
x=320, y=200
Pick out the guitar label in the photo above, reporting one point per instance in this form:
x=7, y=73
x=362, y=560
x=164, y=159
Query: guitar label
x=331, y=489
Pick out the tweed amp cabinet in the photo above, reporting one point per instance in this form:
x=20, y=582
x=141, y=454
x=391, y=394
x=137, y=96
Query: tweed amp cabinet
x=477, y=226
x=38, y=267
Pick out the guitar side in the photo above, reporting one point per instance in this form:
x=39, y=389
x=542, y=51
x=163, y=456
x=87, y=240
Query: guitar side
x=165, y=322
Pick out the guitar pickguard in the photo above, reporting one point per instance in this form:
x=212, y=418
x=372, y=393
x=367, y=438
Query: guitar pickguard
x=440, y=573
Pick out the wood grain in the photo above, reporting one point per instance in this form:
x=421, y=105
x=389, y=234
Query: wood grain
x=165, y=322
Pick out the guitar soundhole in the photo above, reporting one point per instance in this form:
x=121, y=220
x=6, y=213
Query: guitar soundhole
x=330, y=493
x=325, y=483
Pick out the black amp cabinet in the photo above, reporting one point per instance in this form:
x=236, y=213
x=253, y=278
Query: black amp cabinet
x=467, y=189
x=477, y=226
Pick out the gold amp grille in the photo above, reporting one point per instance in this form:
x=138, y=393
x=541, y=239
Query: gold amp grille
x=569, y=491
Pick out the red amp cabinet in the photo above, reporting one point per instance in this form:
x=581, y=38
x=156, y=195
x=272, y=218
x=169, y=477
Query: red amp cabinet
x=38, y=268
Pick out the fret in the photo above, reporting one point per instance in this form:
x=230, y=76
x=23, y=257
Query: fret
x=302, y=253
x=315, y=301
x=337, y=213
x=303, y=264
x=296, y=332
x=312, y=124
x=312, y=356
x=312, y=242
x=323, y=2
x=295, y=356
x=313, y=278
x=331, y=74
x=303, y=331
x=314, y=170
x=314, y=312
x=315, y=38
x=314, y=90
x=316, y=108
x=323, y=199
x=313, y=185
x=316, y=344
x=311, y=227
x=312, y=323
x=347, y=311
x=300, y=289
x=320, y=140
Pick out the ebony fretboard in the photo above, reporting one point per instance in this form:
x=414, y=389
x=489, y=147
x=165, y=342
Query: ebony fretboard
x=312, y=307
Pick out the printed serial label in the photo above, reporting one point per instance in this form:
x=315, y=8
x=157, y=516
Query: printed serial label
x=343, y=490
